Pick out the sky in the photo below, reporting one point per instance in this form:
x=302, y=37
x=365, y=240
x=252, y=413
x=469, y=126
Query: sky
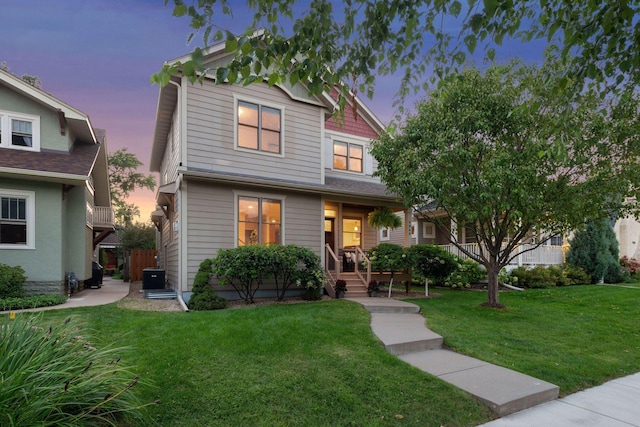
x=98, y=56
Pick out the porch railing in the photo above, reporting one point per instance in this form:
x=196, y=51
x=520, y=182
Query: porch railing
x=333, y=274
x=527, y=254
x=361, y=261
x=103, y=216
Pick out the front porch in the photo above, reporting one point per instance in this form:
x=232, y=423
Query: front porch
x=527, y=254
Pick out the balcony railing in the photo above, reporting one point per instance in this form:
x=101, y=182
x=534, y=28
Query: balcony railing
x=527, y=254
x=103, y=216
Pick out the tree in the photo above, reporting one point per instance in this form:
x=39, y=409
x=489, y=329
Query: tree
x=123, y=179
x=478, y=149
x=32, y=80
x=595, y=250
x=328, y=46
x=137, y=236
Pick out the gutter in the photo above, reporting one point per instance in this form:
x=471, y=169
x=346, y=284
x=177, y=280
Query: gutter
x=182, y=303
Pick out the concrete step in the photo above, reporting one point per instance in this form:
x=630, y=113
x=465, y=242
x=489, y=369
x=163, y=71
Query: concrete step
x=160, y=294
x=504, y=391
x=404, y=333
x=385, y=305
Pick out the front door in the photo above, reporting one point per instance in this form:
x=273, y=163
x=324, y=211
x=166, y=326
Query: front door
x=330, y=238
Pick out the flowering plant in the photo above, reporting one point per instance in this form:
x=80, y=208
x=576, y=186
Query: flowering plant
x=341, y=285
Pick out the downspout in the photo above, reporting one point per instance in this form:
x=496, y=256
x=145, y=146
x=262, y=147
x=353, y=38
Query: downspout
x=181, y=255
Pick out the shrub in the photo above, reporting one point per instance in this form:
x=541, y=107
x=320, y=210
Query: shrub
x=11, y=281
x=616, y=273
x=630, y=264
x=467, y=272
x=537, y=277
x=203, y=296
x=34, y=301
x=246, y=267
x=432, y=262
x=595, y=249
x=51, y=376
x=388, y=257
x=574, y=276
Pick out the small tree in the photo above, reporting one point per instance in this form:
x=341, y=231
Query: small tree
x=432, y=262
x=203, y=297
x=243, y=268
x=388, y=257
x=292, y=265
x=123, y=179
x=595, y=250
x=137, y=236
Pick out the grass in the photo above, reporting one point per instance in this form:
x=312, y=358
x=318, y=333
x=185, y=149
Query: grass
x=574, y=337
x=315, y=364
x=319, y=364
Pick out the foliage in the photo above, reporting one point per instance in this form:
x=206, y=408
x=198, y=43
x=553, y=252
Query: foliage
x=631, y=265
x=203, y=297
x=540, y=277
x=373, y=286
x=32, y=80
x=383, y=217
x=52, y=376
x=123, y=179
x=486, y=150
x=292, y=265
x=595, y=249
x=432, y=261
x=34, y=301
x=388, y=257
x=348, y=44
x=341, y=286
x=137, y=236
x=11, y=281
x=467, y=273
x=247, y=267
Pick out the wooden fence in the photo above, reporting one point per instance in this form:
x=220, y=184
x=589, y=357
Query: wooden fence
x=139, y=260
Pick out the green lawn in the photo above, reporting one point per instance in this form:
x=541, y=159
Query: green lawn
x=574, y=337
x=319, y=364
x=315, y=364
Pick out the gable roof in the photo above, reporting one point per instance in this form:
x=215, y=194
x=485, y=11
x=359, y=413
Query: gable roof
x=78, y=121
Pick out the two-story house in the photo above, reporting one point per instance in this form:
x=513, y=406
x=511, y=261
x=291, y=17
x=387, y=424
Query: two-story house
x=242, y=165
x=54, y=187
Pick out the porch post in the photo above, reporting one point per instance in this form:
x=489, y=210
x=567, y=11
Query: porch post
x=407, y=227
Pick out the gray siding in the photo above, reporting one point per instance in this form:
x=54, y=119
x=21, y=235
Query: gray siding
x=171, y=157
x=211, y=221
x=211, y=134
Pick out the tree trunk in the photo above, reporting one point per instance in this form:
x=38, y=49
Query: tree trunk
x=492, y=288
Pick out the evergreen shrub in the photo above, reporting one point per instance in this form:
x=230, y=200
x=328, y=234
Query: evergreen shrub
x=203, y=296
x=11, y=281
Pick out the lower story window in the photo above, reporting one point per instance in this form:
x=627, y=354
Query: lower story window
x=259, y=221
x=16, y=219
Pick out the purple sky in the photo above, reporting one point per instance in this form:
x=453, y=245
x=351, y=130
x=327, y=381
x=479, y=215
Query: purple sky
x=98, y=56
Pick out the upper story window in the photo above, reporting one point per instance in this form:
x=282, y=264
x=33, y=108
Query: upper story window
x=259, y=127
x=347, y=156
x=17, y=219
x=19, y=131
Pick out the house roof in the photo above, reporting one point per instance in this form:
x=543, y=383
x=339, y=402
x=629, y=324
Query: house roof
x=354, y=189
x=56, y=166
x=77, y=120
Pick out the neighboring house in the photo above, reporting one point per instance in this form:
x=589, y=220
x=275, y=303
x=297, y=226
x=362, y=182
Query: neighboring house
x=243, y=165
x=54, y=187
x=109, y=254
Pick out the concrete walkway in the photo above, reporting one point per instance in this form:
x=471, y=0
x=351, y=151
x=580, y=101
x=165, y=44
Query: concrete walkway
x=402, y=330
x=111, y=291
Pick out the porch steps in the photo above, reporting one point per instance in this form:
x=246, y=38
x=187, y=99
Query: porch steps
x=160, y=294
x=355, y=287
x=403, y=333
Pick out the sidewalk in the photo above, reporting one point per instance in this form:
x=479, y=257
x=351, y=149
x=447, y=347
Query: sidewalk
x=111, y=291
x=519, y=399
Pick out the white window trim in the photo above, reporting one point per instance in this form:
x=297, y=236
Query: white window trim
x=367, y=158
x=414, y=224
x=382, y=237
x=30, y=197
x=428, y=234
x=6, y=128
x=349, y=144
x=236, y=213
x=264, y=103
